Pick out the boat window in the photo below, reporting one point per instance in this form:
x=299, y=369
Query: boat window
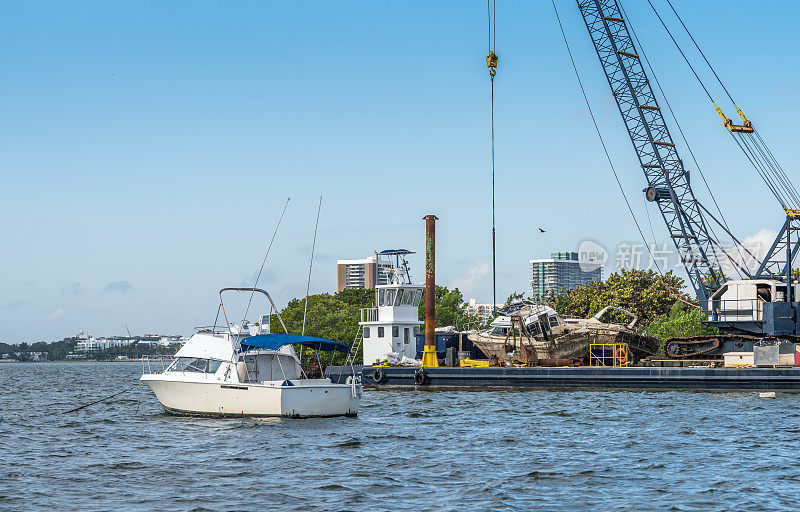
x=366, y=332
x=195, y=364
x=408, y=298
x=553, y=321
x=417, y=297
x=395, y=331
x=381, y=297
x=390, y=297
x=406, y=335
x=380, y=332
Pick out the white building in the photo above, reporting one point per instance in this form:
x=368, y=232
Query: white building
x=562, y=272
x=364, y=273
x=482, y=311
x=88, y=343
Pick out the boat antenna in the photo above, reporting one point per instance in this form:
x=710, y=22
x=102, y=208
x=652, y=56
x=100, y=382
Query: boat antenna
x=310, y=266
x=269, y=247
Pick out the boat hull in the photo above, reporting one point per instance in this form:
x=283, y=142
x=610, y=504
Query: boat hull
x=304, y=399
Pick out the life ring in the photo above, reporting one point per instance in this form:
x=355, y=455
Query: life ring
x=378, y=375
x=420, y=377
x=622, y=356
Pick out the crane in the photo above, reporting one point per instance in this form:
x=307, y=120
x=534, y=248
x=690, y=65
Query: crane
x=760, y=304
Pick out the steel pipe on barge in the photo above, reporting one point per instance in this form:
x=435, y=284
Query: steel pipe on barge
x=584, y=377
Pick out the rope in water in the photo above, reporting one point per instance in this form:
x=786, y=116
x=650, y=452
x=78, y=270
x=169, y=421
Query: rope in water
x=100, y=400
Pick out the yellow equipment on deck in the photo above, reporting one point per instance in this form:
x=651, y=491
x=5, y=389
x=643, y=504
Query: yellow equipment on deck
x=614, y=355
x=429, y=358
x=474, y=363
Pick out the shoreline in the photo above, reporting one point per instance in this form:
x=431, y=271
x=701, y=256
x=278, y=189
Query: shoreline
x=167, y=358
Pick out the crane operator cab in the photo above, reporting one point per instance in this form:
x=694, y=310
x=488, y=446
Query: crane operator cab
x=754, y=305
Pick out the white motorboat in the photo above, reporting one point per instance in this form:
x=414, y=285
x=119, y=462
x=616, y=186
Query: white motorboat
x=244, y=370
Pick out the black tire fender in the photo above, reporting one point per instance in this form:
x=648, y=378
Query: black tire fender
x=378, y=375
x=420, y=377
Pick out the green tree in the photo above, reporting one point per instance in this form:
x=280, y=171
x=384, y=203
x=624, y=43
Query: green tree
x=515, y=296
x=644, y=293
x=681, y=321
x=334, y=317
x=449, y=306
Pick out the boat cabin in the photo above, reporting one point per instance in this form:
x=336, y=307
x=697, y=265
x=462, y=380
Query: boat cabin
x=393, y=323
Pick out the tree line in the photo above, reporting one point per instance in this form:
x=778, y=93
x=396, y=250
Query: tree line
x=663, y=308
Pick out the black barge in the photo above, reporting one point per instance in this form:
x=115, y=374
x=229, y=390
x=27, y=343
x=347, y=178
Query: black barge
x=575, y=378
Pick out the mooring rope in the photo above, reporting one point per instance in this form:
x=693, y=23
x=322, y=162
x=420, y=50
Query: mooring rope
x=100, y=400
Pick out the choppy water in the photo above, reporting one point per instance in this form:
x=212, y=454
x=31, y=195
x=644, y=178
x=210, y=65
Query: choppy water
x=406, y=451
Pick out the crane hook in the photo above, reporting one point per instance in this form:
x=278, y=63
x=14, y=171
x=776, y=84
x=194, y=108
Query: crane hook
x=491, y=62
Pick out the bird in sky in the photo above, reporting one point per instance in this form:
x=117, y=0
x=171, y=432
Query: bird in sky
x=543, y=231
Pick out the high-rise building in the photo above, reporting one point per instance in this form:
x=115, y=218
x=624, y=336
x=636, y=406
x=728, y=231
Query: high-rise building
x=482, y=311
x=562, y=272
x=365, y=273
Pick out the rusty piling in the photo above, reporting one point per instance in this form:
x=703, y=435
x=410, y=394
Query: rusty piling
x=429, y=353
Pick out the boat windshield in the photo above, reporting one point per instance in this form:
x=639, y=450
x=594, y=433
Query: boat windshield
x=194, y=364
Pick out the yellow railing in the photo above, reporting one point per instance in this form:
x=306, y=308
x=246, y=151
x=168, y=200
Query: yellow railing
x=614, y=355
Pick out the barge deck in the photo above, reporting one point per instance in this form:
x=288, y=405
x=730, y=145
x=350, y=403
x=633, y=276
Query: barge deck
x=583, y=377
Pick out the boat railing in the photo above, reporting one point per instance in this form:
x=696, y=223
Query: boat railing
x=369, y=314
x=211, y=329
x=155, y=364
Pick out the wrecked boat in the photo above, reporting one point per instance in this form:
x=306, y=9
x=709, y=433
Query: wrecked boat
x=528, y=332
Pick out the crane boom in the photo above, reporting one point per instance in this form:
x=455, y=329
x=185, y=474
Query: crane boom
x=668, y=182
x=745, y=310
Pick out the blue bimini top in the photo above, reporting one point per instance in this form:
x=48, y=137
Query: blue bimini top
x=276, y=341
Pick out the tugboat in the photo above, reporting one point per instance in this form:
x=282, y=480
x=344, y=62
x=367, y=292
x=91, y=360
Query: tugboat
x=392, y=325
x=244, y=370
x=540, y=327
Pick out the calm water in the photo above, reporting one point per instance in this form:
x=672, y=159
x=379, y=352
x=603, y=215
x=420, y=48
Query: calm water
x=410, y=450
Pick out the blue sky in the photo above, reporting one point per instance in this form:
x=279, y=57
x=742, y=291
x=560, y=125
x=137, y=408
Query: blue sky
x=146, y=148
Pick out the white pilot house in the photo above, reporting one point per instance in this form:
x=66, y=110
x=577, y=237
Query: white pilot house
x=392, y=325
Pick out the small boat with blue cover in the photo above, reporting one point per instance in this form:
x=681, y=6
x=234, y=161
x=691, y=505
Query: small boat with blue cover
x=244, y=370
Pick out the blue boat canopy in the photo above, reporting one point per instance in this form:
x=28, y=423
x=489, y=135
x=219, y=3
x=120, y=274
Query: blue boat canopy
x=276, y=341
x=393, y=252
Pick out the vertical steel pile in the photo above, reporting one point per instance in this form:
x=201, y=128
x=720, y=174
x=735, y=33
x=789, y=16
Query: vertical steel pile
x=429, y=353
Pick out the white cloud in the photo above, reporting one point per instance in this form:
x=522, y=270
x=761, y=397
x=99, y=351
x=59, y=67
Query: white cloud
x=756, y=247
x=472, y=280
x=11, y=305
x=56, y=314
x=118, y=287
x=74, y=289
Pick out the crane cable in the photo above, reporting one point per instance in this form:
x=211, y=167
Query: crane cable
x=737, y=266
x=672, y=292
x=756, y=151
x=761, y=146
x=602, y=141
x=491, y=63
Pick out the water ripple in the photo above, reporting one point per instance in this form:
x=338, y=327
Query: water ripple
x=455, y=451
